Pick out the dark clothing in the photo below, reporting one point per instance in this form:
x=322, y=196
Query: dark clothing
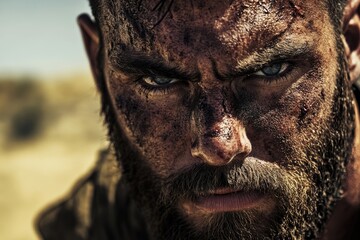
x=98, y=207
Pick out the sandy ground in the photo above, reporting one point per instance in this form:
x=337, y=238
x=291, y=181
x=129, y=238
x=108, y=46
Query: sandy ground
x=41, y=168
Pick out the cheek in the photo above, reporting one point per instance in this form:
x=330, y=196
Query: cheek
x=156, y=126
x=290, y=121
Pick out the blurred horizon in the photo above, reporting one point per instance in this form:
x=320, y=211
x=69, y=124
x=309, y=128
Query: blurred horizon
x=51, y=129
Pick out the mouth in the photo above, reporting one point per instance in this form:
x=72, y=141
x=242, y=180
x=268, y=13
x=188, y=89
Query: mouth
x=228, y=200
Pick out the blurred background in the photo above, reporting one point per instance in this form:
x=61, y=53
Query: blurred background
x=50, y=128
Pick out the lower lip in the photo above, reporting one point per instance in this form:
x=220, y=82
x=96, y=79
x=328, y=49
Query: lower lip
x=229, y=202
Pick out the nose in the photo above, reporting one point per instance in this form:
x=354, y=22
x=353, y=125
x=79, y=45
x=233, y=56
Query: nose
x=219, y=141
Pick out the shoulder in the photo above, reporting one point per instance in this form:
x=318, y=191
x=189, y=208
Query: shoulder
x=90, y=201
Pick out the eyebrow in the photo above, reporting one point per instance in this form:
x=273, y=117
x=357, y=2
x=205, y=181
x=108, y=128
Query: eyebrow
x=285, y=50
x=138, y=63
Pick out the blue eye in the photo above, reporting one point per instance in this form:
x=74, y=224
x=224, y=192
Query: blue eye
x=159, y=81
x=272, y=70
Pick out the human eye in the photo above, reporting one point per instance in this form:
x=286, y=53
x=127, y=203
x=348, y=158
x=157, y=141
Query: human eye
x=275, y=74
x=273, y=70
x=157, y=81
x=158, y=84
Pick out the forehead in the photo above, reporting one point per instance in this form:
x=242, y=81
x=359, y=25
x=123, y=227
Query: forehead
x=173, y=28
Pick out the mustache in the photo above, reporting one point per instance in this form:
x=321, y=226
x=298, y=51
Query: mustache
x=249, y=175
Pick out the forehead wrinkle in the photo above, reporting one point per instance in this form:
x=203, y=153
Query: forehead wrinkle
x=253, y=24
x=160, y=46
x=285, y=45
x=239, y=10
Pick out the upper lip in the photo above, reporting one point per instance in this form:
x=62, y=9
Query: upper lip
x=220, y=191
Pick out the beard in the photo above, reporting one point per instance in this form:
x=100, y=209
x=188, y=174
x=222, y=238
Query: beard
x=305, y=191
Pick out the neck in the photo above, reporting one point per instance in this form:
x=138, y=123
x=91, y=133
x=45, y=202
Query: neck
x=346, y=212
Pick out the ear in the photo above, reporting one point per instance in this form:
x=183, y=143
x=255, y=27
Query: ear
x=351, y=29
x=90, y=37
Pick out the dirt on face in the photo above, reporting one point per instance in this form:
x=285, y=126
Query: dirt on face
x=216, y=86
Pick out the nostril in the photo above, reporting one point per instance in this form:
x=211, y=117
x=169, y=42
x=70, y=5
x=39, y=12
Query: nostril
x=239, y=157
x=221, y=142
x=195, y=143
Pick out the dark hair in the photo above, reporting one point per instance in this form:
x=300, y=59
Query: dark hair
x=335, y=8
x=336, y=11
x=106, y=11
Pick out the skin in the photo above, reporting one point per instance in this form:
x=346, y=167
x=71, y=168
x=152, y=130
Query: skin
x=218, y=109
x=269, y=98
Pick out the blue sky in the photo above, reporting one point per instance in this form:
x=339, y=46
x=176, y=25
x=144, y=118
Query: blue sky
x=41, y=36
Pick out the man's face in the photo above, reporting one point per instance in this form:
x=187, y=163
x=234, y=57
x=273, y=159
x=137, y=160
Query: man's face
x=232, y=118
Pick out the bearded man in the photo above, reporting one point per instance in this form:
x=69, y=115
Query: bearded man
x=231, y=119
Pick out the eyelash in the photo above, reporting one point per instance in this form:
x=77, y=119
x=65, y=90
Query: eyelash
x=284, y=76
x=147, y=89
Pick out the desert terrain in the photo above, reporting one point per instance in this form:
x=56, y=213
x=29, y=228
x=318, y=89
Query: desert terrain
x=51, y=132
